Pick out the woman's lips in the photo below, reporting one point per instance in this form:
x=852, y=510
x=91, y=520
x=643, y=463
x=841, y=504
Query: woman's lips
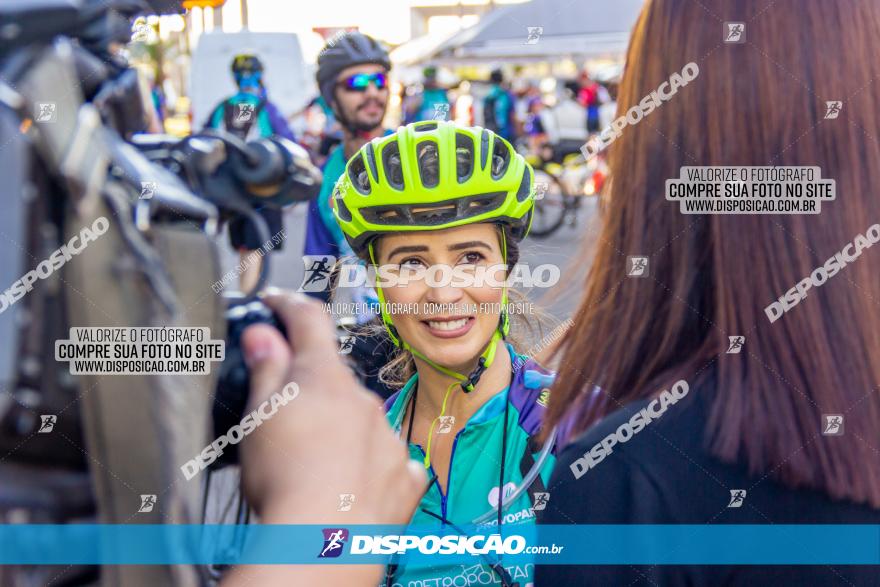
x=449, y=328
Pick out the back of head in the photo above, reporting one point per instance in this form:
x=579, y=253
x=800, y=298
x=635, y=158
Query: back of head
x=571, y=89
x=496, y=77
x=760, y=103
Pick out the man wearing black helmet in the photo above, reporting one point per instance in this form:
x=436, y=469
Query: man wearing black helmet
x=353, y=80
x=250, y=115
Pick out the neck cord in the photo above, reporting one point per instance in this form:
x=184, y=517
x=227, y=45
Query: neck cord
x=503, y=575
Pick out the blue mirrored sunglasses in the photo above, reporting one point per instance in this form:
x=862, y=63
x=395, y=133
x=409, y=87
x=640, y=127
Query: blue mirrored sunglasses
x=360, y=81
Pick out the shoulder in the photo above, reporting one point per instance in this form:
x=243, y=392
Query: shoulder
x=630, y=464
x=395, y=405
x=335, y=161
x=530, y=391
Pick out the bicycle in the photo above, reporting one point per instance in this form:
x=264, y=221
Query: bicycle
x=561, y=188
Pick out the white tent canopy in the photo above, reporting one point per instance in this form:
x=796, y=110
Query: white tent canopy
x=586, y=29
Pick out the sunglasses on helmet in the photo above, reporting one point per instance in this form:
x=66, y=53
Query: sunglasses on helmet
x=360, y=81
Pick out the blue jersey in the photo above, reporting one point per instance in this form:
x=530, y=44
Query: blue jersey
x=474, y=468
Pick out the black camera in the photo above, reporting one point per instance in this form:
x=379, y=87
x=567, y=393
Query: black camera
x=71, y=111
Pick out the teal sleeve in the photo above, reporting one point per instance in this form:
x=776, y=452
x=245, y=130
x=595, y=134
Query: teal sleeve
x=333, y=170
x=216, y=116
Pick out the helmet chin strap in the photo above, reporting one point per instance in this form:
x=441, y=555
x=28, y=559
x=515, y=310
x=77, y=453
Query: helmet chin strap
x=487, y=357
x=467, y=383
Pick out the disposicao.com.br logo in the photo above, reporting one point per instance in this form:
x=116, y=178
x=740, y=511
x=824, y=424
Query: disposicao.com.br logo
x=335, y=539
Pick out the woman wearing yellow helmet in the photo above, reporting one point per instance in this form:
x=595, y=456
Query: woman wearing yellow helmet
x=437, y=198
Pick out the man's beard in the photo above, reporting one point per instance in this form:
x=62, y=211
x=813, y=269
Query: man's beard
x=362, y=126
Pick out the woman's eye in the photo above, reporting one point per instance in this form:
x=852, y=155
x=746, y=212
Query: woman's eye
x=411, y=263
x=472, y=258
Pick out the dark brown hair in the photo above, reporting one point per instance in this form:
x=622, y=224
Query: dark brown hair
x=761, y=102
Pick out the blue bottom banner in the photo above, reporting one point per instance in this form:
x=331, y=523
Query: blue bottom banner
x=725, y=544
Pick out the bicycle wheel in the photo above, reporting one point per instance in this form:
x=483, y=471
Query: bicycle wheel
x=551, y=204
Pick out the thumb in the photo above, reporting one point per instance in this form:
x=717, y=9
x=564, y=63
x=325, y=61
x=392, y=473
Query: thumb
x=267, y=356
x=309, y=328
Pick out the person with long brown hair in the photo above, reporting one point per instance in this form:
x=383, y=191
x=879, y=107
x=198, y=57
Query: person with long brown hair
x=713, y=410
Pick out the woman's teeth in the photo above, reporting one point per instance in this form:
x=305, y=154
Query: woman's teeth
x=447, y=324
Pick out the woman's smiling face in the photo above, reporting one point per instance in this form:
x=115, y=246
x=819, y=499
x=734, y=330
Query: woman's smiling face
x=448, y=321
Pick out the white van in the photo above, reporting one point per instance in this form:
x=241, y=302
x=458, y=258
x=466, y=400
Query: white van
x=289, y=81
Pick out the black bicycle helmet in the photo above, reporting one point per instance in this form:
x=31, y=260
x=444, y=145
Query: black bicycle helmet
x=246, y=63
x=345, y=50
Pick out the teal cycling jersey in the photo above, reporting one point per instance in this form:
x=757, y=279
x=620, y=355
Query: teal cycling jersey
x=474, y=473
x=334, y=167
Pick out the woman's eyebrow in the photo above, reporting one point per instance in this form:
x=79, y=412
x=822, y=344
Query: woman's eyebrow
x=408, y=249
x=468, y=245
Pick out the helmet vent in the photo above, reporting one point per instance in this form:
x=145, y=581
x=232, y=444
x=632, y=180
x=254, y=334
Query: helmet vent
x=429, y=163
x=500, y=158
x=357, y=173
x=371, y=160
x=484, y=148
x=343, y=210
x=392, y=165
x=426, y=127
x=524, y=186
x=464, y=157
x=436, y=214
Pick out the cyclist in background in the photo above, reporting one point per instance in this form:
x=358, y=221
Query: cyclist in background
x=432, y=103
x=565, y=124
x=498, y=108
x=352, y=77
x=467, y=396
x=250, y=115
